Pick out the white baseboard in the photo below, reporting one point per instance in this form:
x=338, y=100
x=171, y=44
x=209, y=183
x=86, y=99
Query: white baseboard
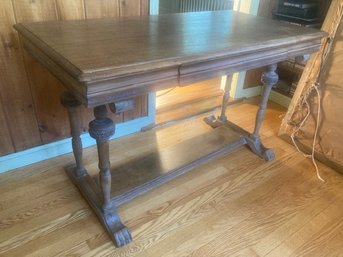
x=250, y=92
x=280, y=98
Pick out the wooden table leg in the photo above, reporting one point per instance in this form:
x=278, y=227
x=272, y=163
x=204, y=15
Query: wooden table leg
x=72, y=105
x=213, y=121
x=101, y=129
x=269, y=79
x=226, y=97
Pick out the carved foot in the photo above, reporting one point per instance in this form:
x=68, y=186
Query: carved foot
x=120, y=234
x=122, y=237
x=214, y=122
x=258, y=148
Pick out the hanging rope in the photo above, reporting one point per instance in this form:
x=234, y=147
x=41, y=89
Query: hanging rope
x=304, y=102
x=314, y=87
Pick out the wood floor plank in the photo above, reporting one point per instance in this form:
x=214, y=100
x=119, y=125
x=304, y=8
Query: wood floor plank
x=268, y=245
x=237, y=205
x=24, y=194
x=316, y=232
x=199, y=206
x=18, y=214
x=41, y=231
x=40, y=220
x=281, y=209
x=228, y=213
x=71, y=240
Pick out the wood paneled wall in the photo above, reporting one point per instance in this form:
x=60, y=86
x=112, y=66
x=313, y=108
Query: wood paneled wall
x=30, y=112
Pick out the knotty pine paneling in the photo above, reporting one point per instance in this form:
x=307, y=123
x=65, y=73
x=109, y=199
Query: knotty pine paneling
x=5, y=136
x=30, y=110
x=129, y=7
x=37, y=10
x=17, y=105
x=101, y=8
x=70, y=9
x=144, y=7
x=45, y=88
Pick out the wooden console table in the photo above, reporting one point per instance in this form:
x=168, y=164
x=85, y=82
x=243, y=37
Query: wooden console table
x=106, y=62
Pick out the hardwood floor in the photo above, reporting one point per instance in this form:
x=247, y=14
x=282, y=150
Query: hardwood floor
x=182, y=102
x=237, y=205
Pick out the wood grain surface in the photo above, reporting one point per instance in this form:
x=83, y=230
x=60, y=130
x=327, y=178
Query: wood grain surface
x=236, y=206
x=5, y=135
x=70, y=9
x=45, y=88
x=186, y=38
x=101, y=9
x=17, y=102
x=100, y=62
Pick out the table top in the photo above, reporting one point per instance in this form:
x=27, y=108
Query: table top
x=96, y=56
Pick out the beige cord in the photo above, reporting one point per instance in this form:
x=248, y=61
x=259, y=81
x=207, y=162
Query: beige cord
x=305, y=101
x=315, y=87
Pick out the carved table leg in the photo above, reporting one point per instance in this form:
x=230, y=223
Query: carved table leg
x=269, y=79
x=72, y=105
x=101, y=129
x=220, y=120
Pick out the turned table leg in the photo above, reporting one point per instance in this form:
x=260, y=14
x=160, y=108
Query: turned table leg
x=221, y=119
x=101, y=129
x=72, y=105
x=226, y=97
x=269, y=79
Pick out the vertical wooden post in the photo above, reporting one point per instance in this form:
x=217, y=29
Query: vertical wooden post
x=72, y=105
x=269, y=79
x=226, y=97
x=101, y=129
